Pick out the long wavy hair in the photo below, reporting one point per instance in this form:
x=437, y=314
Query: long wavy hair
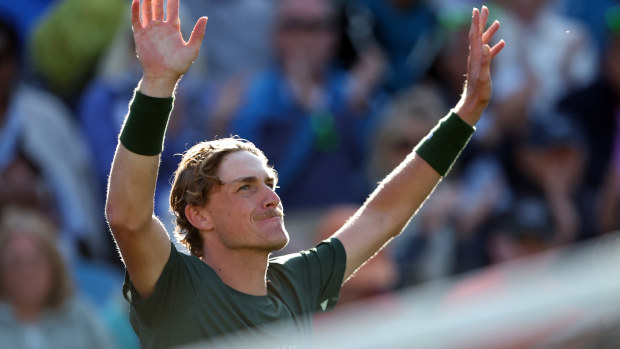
x=18, y=221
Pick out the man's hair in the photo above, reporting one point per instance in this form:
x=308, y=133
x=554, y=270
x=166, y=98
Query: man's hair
x=195, y=179
x=19, y=221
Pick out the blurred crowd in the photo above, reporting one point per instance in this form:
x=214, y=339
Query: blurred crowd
x=336, y=93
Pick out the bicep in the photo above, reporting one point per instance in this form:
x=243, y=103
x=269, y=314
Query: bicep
x=141, y=238
x=363, y=236
x=387, y=211
x=144, y=254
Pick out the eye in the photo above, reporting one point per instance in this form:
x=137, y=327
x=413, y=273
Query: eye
x=244, y=188
x=272, y=185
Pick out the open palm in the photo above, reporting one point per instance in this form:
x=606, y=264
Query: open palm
x=161, y=49
x=478, y=87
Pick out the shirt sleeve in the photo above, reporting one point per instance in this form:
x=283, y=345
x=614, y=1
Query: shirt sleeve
x=329, y=264
x=173, y=294
x=319, y=271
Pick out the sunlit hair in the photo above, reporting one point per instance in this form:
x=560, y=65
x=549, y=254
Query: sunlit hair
x=17, y=221
x=194, y=180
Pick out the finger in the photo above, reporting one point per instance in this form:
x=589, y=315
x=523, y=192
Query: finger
x=490, y=32
x=485, y=55
x=475, y=19
x=474, y=34
x=484, y=73
x=474, y=30
x=198, y=33
x=135, y=15
x=497, y=48
x=484, y=16
x=158, y=10
x=147, y=13
x=173, y=12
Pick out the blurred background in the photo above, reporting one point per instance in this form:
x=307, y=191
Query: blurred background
x=336, y=93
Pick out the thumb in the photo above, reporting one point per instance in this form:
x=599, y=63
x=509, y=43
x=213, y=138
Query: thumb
x=198, y=33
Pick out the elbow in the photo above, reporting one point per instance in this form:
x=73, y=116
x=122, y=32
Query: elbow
x=123, y=220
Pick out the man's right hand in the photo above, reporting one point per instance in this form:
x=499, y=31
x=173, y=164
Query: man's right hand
x=164, y=54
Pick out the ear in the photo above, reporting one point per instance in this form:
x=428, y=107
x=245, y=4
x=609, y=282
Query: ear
x=199, y=217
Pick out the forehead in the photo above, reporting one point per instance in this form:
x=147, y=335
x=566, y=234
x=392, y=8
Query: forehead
x=242, y=164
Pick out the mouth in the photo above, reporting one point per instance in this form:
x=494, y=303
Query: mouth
x=272, y=219
x=271, y=215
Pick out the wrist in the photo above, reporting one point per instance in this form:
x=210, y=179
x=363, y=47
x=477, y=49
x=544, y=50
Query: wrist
x=145, y=126
x=470, y=108
x=467, y=113
x=444, y=143
x=159, y=87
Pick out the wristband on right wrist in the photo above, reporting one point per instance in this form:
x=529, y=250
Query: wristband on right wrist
x=444, y=143
x=145, y=127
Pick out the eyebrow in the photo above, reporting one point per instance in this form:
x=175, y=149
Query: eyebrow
x=253, y=179
x=249, y=179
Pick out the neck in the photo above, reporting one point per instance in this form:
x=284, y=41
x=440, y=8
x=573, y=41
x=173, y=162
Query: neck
x=244, y=270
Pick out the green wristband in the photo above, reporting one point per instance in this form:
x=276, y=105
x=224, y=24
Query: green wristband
x=145, y=126
x=444, y=143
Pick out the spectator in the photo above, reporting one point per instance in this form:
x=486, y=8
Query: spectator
x=525, y=229
x=406, y=32
x=65, y=58
x=299, y=113
x=552, y=164
x=594, y=14
x=595, y=109
x=38, y=307
x=43, y=158
x=24, y=14
x=550, y=55
x=251, y=50
x=529, y=271
x=210, y=104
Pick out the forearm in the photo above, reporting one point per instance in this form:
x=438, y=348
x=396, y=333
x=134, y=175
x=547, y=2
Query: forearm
x=403, y=191
x=133, y=176
x=387, y=210
x=131, y=189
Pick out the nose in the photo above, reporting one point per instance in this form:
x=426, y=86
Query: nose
x=271, y=200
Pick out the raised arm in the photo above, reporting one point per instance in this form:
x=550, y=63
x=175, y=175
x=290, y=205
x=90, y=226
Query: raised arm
x=403, y=191
x=165, y=57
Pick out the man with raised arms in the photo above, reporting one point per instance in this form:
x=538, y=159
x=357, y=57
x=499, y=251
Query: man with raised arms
x=229, y=215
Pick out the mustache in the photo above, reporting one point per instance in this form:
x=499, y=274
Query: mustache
x=274, y=212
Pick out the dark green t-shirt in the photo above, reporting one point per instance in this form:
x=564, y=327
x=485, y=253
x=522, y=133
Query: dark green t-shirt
x=191, y=303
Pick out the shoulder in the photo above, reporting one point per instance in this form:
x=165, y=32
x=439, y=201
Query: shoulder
x=327, y=254
x=180, y=272
x=317, y=274
x=183, y=266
